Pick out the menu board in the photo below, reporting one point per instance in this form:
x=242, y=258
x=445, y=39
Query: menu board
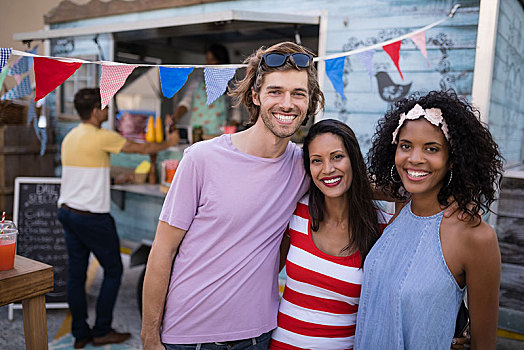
x=40, y=234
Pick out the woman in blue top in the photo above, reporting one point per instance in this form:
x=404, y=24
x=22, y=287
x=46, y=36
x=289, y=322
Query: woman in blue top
x=426, y=150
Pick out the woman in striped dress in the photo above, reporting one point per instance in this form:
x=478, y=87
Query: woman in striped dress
x=329, y=236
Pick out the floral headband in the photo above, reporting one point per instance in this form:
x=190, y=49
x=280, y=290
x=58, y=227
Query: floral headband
x=432, y=115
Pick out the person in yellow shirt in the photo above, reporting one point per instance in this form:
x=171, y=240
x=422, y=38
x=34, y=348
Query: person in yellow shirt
x=84, y=206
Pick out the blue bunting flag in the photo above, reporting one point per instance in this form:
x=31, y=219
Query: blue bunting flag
x=172, y=79
x=335, y=71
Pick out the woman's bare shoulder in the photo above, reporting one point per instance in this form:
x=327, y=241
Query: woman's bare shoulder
x=474, y=234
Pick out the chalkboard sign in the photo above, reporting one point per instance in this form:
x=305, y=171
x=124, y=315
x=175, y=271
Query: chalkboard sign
x=41, y=236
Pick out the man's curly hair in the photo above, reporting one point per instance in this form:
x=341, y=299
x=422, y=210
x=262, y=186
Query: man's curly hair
x=255, y=76
x=475, y=158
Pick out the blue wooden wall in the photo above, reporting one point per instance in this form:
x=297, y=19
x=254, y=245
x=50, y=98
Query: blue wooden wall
x=354, y=24
x=506, y=115
x=450, y=46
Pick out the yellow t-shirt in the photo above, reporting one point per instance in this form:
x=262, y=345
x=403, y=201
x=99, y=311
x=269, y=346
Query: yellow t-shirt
x=85, y=167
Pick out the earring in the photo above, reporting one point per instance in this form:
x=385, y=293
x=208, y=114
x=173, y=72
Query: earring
x=450, y=176
x=392, y=175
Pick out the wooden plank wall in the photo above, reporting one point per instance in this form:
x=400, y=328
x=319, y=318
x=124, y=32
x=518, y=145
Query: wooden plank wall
x=506, y=117
x=510, y=230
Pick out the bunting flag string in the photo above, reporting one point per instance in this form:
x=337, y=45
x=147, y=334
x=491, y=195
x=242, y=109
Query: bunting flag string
x=390, y=41
x=319, y=58
x=216, y=80
x=50, y=71
x=112, y=79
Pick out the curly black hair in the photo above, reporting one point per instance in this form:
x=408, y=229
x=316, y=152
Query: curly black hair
x=477, y=162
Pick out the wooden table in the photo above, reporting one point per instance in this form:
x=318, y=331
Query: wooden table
x=28, y=282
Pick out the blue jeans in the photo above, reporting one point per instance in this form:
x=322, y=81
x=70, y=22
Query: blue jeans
x=85, y=233
x=259, y=343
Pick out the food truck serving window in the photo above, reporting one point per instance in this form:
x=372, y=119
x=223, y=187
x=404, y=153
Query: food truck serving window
x=172, y=40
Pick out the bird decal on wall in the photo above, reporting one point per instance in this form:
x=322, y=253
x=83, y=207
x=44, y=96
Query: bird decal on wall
x=388, y=90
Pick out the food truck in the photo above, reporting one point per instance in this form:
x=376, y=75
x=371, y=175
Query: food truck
x=476, y=50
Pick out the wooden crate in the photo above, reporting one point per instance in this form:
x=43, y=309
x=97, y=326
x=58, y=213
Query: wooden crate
x=12, y=113
x=20, y=156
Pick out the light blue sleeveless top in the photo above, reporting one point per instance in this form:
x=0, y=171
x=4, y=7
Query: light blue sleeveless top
x=409, y=297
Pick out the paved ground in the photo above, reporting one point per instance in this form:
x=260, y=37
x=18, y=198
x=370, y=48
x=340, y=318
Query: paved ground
x=126, y=318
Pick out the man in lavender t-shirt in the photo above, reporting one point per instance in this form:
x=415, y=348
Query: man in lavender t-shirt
x=225, y=213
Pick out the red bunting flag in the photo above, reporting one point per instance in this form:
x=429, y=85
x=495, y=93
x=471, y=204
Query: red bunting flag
x=49, y=74
x=112, y=79
x=393, y=51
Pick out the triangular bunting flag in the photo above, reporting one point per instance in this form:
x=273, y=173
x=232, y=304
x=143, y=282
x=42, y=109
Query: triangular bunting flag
x=172, y=79
x=366, y=58
x=18, y=78
x=41, y=134
x=19, y=91
x=112, y=79
x=393, y=51
x=335, y=72
x=420, y=40
x=5, y=53
x=50, y=73
x=24, y=64
x=216, y=81
x=3, y=74
x=31, y=113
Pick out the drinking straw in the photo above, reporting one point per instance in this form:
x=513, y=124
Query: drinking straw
x=3, y=220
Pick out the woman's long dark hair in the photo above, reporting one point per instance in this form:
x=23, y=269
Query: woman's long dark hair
x=476, y=161
x=363, y=229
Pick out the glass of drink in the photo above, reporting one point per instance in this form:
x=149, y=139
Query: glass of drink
x=7, y=248
x=9, y=224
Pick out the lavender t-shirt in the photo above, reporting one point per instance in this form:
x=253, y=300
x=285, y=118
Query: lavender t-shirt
x=235, y=208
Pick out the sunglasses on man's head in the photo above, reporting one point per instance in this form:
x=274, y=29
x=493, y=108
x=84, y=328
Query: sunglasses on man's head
x=276, y=59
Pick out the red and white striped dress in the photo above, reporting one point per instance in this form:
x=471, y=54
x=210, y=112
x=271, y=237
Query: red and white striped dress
x=319, y=307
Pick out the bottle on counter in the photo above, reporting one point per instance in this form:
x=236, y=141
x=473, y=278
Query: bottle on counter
x=150, y=131
x=159, y=133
